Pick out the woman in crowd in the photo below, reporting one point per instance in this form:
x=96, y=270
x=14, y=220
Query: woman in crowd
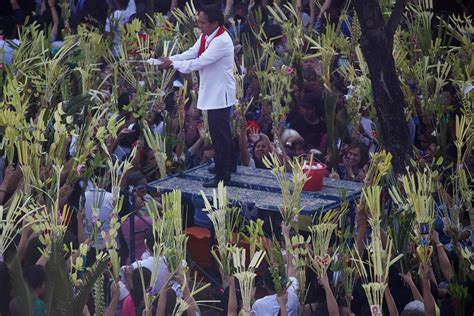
x=353, y=166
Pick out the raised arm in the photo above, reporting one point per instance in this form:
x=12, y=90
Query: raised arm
x=414, y=290
x=326, y=5
x=282, y=301
x=331, y=302
x=24, y=239
x=161, y=308
x=163, y=296
x=285, y=230
x=392, y=307
x=228, y=7
x=174, y=5
x=446, y=267
x=232, y=308
x=312, y=14
x=15, y=5
x=55, y=16
x=244, y=153
x=110, y=311
x=428, y=298
x=361, y=221
x=11, y=180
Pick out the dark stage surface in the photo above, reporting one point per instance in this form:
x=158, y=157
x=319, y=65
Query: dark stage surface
x=258, y=189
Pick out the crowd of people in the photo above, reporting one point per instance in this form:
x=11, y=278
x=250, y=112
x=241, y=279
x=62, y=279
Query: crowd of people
x=305, y=130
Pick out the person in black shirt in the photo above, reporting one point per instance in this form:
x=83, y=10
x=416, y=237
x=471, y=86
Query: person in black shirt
x=13, y=13
x=309, y=123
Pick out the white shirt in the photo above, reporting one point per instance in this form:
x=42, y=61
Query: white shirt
x=268, y=305
x=7, y=51
x=158, y=129
x=149, y=263
x=104, y=202
x=120, y=17
x=216, y=70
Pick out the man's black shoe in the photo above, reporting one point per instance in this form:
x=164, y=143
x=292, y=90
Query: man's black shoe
x=214, y=182
x=212, y=169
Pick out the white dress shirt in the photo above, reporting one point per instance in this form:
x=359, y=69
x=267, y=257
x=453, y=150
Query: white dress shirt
x=162, y=269
x=268, y=305
x=216, y=70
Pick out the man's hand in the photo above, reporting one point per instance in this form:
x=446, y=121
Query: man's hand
x=166, y=63
x=406, y=278
x=202, y=131
x=324, y=282
x=283, y=300
x=81, y=215
x=334, y=175
x=285, y=229
x=435, y=237
x=115, y=290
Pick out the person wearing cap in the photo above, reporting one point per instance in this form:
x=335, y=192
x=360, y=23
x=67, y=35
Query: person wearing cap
x=309, y=122
x=213, y=57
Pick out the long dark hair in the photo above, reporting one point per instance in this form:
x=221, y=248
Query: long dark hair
x=137, y=291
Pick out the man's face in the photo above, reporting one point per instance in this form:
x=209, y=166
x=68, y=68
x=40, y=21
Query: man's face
x=140, y=188
x=309, y=114
x=207, y=155
x=204, y=25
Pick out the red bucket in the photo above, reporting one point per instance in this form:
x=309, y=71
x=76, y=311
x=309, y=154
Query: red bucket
x=316, y=171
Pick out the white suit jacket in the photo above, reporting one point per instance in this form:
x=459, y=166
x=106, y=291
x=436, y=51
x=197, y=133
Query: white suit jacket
x=216, y=70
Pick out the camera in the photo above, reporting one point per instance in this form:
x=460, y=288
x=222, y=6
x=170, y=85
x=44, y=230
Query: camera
x=424, y=229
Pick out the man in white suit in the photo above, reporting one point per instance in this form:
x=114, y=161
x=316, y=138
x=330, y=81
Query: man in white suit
x=213, y=56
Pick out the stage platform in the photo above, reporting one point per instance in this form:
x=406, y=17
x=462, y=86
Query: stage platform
x=258, y=189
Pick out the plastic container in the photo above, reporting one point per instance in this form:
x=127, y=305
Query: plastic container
x=316, y=171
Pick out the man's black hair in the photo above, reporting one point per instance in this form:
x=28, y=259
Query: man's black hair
x=213, y=14
x=35, y=276
x=314, y=101
x=135, y=177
